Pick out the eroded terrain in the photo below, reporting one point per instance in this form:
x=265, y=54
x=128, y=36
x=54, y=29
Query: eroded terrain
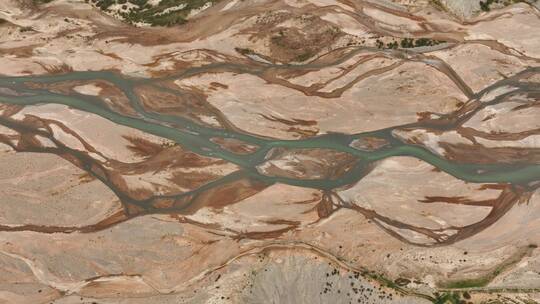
x=289, y=151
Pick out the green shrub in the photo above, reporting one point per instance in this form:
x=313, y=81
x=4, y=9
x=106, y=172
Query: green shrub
x=153, y=15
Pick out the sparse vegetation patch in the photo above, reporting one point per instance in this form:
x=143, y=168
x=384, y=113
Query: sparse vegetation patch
x=154, y=13
x=407, y=43
x=486, y=5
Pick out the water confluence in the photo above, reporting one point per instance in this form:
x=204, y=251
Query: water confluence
x=198, y=138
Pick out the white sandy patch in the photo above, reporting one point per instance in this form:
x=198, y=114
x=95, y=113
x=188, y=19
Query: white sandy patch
x=197, y=11
x=159, y=182
x=45, y=142
x=489, y=96
x=209, y=120
x=229, y=5
x=172, y=9
x=431, y=140
x=88, y=89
